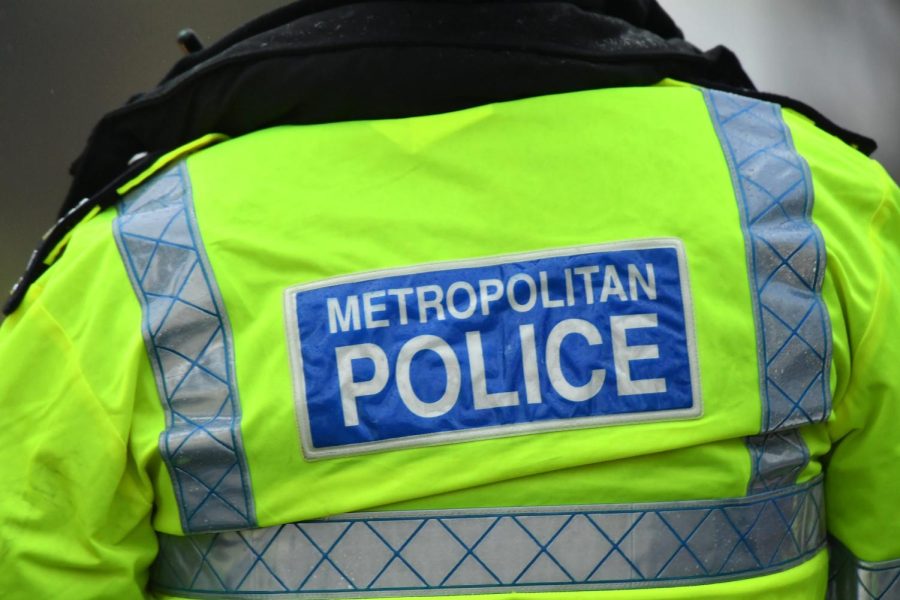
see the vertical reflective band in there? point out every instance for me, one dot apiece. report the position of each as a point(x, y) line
point(786, 267)
point(854, 579)
point(483, 551)
point(190, 347)
point(777, 459)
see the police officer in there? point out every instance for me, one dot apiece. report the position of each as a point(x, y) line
point(407, 299)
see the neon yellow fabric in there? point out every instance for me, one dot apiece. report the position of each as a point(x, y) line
point(858, 209)
point(283, 206)
point(487, 173)
point(58, 248)
point(170, 157)
point(76, 501)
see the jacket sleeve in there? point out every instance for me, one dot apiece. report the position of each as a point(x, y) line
point(74, 509)
point(863, 473)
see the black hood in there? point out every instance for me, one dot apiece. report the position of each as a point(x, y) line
point(318, 61)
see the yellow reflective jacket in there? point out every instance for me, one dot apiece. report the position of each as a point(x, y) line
point(625, 342)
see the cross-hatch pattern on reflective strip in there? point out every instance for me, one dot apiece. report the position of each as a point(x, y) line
point(494, 550)
point(189, 343)
point(786, 264)
point(854, 579)
point(878, 583)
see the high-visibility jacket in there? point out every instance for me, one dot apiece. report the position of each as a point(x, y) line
point(629, 342)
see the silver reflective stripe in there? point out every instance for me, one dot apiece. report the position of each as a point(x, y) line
point(786, 266)
point(190, 347)
point(777, 459)
point(426, 553)
point(854, 579)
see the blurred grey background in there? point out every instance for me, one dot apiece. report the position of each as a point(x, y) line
point(64, 63)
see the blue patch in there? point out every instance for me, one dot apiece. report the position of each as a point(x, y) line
point(561, 339)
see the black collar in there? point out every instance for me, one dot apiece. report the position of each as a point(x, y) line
point(317, 61)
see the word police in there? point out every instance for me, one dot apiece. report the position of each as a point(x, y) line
point(488, 347)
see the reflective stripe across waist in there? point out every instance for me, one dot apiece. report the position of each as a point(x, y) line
point(482, 551)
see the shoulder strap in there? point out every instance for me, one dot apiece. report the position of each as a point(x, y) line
point(54, 241)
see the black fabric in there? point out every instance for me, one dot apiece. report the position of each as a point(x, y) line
point(318, 61)
point(645, 14)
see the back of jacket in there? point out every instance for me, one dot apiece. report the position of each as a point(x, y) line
point(632, 341)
